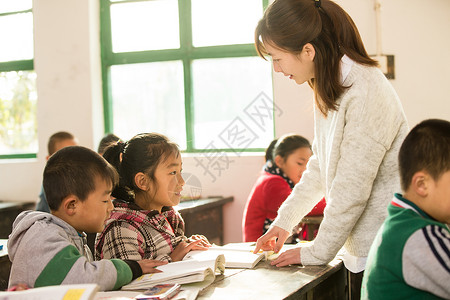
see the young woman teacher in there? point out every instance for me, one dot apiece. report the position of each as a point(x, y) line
point(359, 125)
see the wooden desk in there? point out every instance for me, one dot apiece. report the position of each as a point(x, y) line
point(5, 265)
point(313, 223)
point(8, 212)
point(204, 216)
point(269, 282)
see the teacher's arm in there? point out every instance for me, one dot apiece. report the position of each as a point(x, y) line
point(305, 195)
point(368, 132)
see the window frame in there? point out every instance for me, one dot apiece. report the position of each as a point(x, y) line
point(186, 53)
point(17, 65)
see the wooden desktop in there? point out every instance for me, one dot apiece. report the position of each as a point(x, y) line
point(327, 282)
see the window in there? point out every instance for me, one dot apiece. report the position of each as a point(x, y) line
point(18, 128)
point(187, 69)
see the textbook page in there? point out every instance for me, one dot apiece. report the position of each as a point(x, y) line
point(181, 272)
point(268, 255)
point(184, 294)
point(235, 257)
point(54, 292)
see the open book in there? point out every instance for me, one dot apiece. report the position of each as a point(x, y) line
point(182, 272)
point(54, 292)
point(235, 255)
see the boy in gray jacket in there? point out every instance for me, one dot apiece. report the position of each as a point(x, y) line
point(50, 249)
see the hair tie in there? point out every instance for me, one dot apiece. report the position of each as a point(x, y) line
point(122, 145)
point(317, 3)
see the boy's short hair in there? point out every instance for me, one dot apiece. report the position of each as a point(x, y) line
point(425, 148)
point(72, 171)
point(58, 137)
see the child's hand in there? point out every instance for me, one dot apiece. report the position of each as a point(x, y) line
point(19, 287)
point(183, 248)
point(148, 265)
point(203, 245)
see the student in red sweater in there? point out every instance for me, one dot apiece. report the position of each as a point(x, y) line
point(286, 159)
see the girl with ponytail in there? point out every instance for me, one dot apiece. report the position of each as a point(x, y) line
point(359, 127)
point(143, 223)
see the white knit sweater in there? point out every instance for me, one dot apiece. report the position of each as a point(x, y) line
point(354, 166)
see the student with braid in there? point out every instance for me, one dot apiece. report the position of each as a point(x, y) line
point(143, 224)
point(286, 160)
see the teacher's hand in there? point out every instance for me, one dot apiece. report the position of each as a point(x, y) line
point(272, 240)
point(288, 257)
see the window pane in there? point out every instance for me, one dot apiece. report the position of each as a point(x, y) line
point(218, 22)
point(18, 96)
point(14, 5)
point(17, 41)
point(142, 26)
point(149, 97)
point(230, 88)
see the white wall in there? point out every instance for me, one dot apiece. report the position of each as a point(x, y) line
point(67, 63)
point(416, 32)
point(69, 88)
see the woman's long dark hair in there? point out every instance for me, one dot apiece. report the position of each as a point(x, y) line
point(290, 24)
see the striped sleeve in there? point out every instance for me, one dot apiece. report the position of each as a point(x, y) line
point(124, 272)
point(68, 266)
point(426, 260)
point(58, 267)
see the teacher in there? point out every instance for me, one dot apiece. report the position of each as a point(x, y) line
point(359, 126)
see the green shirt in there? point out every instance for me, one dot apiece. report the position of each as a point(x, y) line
point(409, 258)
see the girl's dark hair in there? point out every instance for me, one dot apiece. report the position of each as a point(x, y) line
point(288, 144)
point(269, 150)
point(106, 141)
point(290, 24)
point(425, 148)
point(143, 153)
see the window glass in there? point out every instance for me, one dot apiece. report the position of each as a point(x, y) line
point(203, 85)
point(229, 93)
point(15, 5)
point(218, 22)
point(149, 97)
point(150, 25)
point(17, 40)
point(18, 130)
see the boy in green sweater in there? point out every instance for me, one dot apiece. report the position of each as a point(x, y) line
point(410, 256)
point(50, 249)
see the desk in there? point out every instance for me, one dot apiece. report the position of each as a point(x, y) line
point(269, 282)
point(5, 265)
point(204, 216)
point(8, 212)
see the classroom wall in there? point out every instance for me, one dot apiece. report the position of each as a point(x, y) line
point(67, 62)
